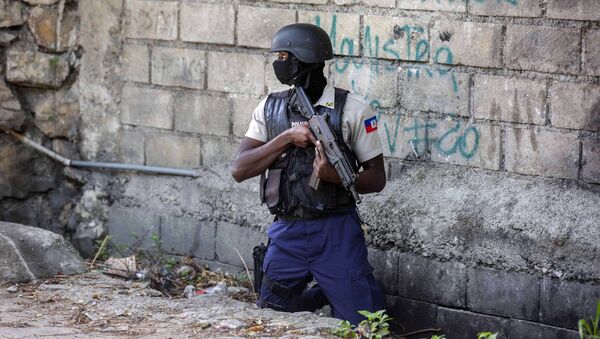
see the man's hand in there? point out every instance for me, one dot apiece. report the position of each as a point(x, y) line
point(322, 168)
point(300, 136)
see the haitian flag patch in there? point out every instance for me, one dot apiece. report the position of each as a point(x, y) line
point(371, 124)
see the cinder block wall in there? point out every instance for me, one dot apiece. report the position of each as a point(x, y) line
point(489, 116)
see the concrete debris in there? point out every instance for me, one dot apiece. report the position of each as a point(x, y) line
point(35, 69)
point(189, 291)
point(122, 267)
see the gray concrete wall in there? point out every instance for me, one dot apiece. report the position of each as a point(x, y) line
point(488, 117)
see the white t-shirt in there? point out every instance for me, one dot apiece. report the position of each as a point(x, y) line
point(359, 124)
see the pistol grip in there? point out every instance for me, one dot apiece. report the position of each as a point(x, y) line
point(314, 182)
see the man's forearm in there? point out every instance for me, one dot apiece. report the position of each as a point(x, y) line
point(252, 161)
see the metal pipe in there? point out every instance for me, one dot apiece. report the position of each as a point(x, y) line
point(94, 164)
point(140, 168)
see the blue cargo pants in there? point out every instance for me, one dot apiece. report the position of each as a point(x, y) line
point(331, 250)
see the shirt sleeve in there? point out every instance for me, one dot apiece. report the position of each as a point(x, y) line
point(258, 129)
point(363, 134)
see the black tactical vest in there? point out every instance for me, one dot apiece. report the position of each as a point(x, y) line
point(285, 189)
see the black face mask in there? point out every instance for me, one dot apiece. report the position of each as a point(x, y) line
point(284, 71)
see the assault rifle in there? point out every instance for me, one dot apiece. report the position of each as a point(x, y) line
point(319, 127)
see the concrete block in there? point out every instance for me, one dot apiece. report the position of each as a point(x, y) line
point(575, 10)
point(576, 300)
point(151, 19)
point(509, 99)
point(218, 151)
point(427, 88)
point(433, 5)
point(542, 152)
point(146, 107)
point(376, 81)
point(458, 324)
point(528, 8)
point(412, 315)
point(400, 134)
point(525, 329)
point(132, 229)
point(375, 3)
point(205, 114)
point(243, 106)
point(453, 43)
point(136, 63)
point(591, 52)
point(542, 48)
point(442, 283)
point(188, 237)
point(236, 72)
point(590, 171)
point(514, 295)
point(232, 237)
point(385, 265)
point(343, 29)
point(132, 146)
point(207, 22)
point(395, 38)
point(256, 26)
point(575, 105)
point(460, 142)
point(178, 67)
point(172, 151)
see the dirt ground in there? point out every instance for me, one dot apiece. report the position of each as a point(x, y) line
point(96, 305)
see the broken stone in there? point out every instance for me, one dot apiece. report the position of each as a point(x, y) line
point(43, 22)
point(36, 69)
point(11, 13)
point(41, 2)
point(6, 38)
point(57, 114)
point(11, 114)
point(28, 253)
point(13, 289)
point(189, 291)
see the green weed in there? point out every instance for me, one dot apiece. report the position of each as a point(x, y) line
point(376, 326)
point(487, 335)
point(590, 330)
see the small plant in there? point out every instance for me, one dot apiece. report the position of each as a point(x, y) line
point(345, 330)
point(591, 330)
point(376, 326)
point(487, 335)
point(435, 336)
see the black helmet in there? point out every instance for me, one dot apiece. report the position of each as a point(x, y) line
point(309, 43)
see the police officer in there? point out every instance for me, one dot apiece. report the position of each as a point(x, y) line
point(316, 233)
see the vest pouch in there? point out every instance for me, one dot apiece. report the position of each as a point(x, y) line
point(272, 187)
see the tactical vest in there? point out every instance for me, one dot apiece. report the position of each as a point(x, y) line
point(285, 187)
